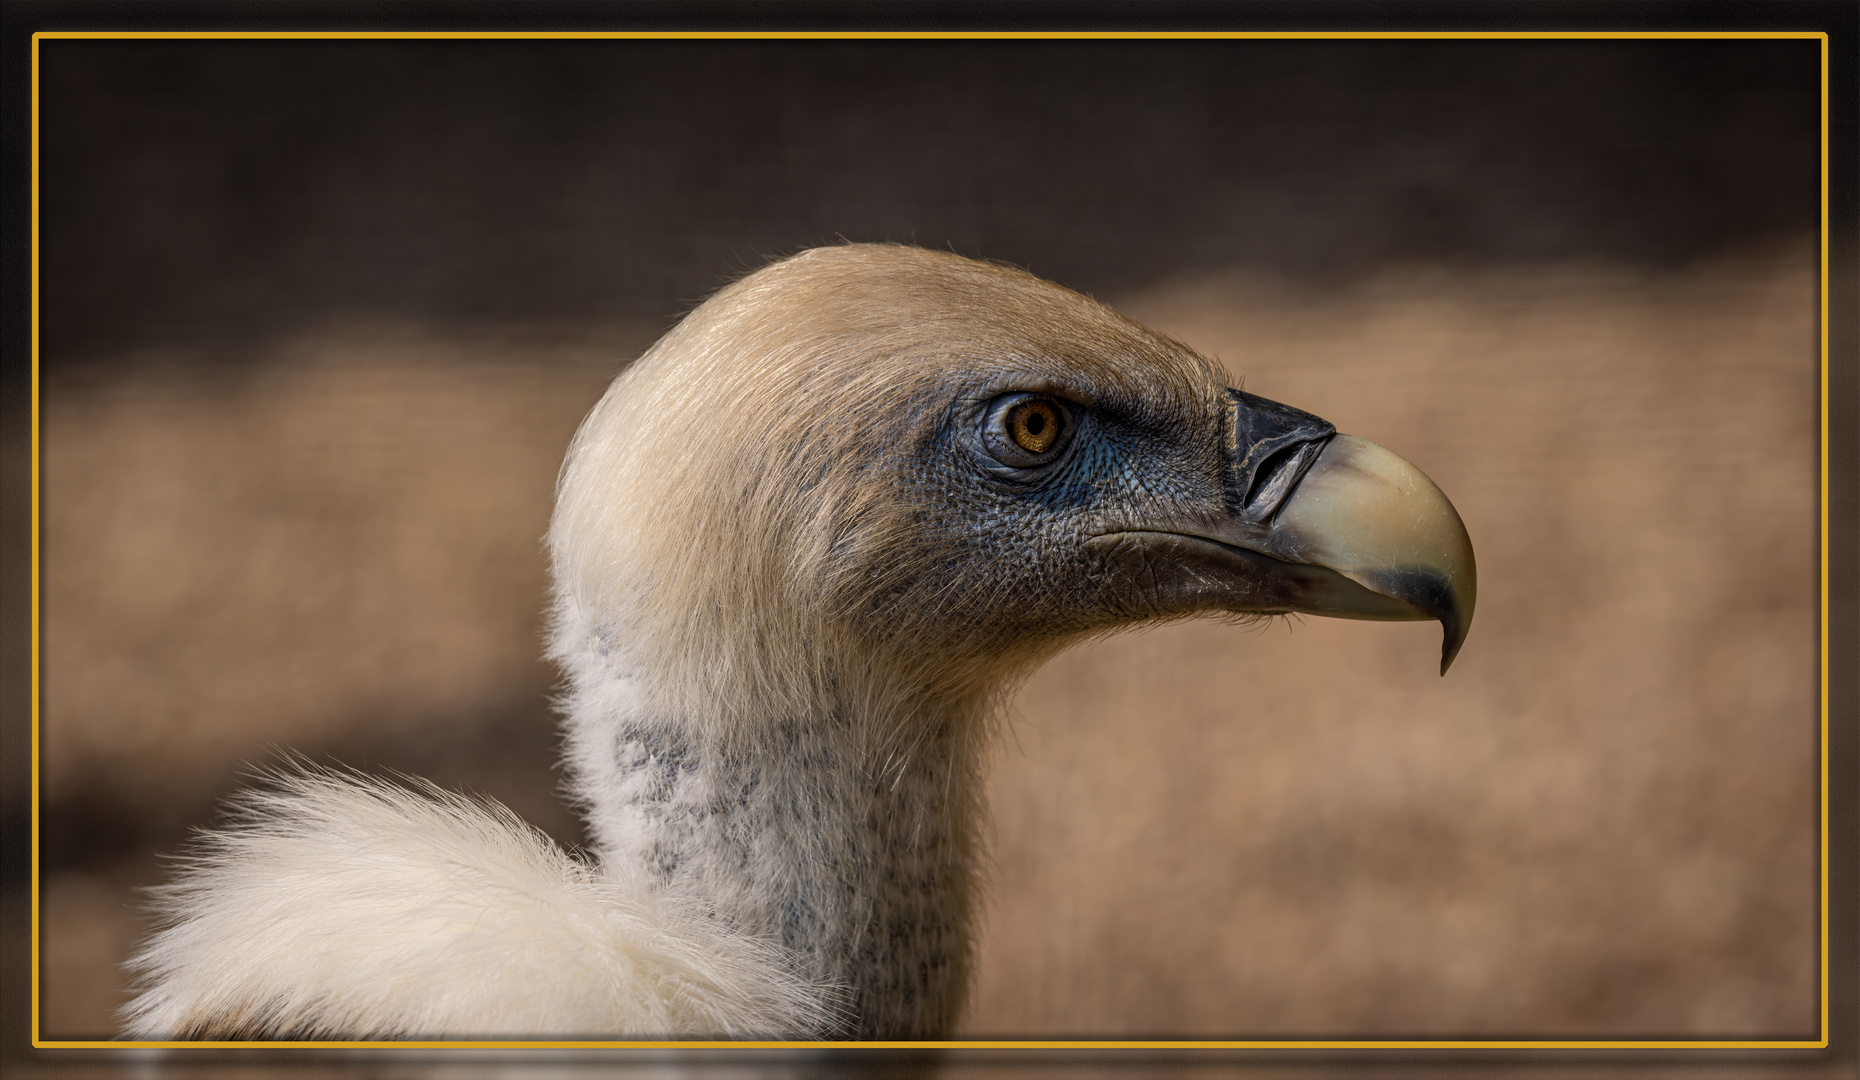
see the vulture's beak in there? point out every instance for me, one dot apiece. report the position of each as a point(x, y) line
point(1320, 523)
point(1305, 495)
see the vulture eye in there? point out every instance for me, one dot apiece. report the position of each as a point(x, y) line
point(1034, 425)
point(1025, 431)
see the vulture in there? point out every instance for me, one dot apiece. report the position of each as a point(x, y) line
point(803, 551)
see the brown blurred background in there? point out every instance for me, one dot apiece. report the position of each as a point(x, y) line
point(319, 318)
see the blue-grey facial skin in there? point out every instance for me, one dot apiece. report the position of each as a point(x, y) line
point(1010, 548)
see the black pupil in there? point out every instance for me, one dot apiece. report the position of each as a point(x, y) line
point(1036, 422)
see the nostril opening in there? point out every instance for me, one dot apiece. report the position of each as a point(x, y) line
point(1276, 461)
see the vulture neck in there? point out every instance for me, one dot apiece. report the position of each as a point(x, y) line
point(848, 837)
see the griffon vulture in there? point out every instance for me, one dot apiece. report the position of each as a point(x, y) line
point(803, 549)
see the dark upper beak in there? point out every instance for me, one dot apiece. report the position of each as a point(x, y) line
point(1305, 496)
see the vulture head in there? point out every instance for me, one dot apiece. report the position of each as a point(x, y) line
point(884, 479)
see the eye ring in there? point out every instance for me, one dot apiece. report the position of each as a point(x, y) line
point(1026, 431)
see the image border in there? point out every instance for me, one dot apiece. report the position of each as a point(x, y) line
point(1822, 1040)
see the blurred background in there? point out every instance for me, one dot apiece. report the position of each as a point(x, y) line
point(318, 319)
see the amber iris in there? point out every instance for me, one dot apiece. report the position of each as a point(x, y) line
point(1035, 425)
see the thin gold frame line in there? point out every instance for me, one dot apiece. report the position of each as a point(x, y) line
point(945, 35)
point(962, 1045)
point(35, 545)
point(990, 36)
point(1823, 543)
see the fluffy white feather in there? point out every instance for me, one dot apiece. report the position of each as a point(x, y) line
point(340, 906)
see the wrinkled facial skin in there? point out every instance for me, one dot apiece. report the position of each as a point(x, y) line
point(1039, 532)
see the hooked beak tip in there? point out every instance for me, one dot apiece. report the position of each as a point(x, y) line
point(1452, 639)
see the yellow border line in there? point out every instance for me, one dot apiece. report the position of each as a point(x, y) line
point(1825, 1033)
point(996, 1044)
point(971, 1045)
point(940, 35)
point(35, 540)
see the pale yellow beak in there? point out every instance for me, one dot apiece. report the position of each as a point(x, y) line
point(1371, 516)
